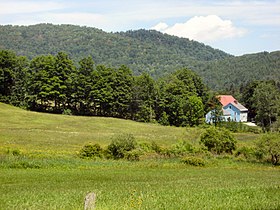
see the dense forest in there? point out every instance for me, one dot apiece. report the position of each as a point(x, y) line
point(141, 75)
point(142, 51)
point(53, 83)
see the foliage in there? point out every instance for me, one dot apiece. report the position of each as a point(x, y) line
point(266, 99)
point(194, 110)
point(181, 98)
point(142, 51)
point(182, 148)
point(218, 140)
point(193, 161)
point(120, 145)
point(133, 155)
point(91, 151)
point(215, 107)
point(247, 152)
point(269, 144)
point(54, 84)
point(67, 112)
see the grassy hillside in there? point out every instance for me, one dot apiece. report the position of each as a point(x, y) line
point(48, 175)
point(32, 131)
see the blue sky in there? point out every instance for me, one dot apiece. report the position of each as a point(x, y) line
point(237, 27)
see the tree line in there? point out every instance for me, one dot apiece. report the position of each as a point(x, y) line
point(55, 84)
point(143, 51)
point(52, 83)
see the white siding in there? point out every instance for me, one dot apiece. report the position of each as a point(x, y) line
point(243, 116)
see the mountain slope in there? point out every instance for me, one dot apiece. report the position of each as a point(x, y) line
point(232, 72)
point(141, 50)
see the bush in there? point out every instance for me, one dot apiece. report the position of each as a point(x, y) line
point(269, 145)
point(155, 147)
point(182, 148)
point(246, 152)
point(218, 140)
point(120, 145)
point(91, 151)
point(133, 155)
point(67, 112)
point(193, 161)
point(14, 152)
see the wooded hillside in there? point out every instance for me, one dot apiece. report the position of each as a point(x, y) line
point(142, 51)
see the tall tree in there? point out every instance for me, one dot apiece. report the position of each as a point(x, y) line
point(176, 90)
point(194, 110)
point(84, 85)
point(40, 84)
point(267, 103)
point(8, 64)
point(62, 80)
point(122, 92)
point(144, 98)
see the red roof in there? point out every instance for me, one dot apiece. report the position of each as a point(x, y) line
point(226, 99)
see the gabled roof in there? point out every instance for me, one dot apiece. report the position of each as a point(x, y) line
point(229, 99)
point(239, 106)
point(226, 99)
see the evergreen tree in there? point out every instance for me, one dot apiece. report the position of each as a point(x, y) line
point(144, 98)
point(8, 64)
point(61, 78)
point(39, 84)
point(84, 84)
point(267, 104)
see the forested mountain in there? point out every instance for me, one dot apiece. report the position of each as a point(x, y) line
point(231, 73)
point(142, 51)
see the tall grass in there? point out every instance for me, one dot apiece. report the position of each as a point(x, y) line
point(143, 185)
point(39, 168)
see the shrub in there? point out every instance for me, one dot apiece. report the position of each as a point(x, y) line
point(155, 147)
point(67, 112)
point(120, 145)
point(133, 155)
point(181, 148)
point(14, 152)
point(269, 144)
point(218, 140)
point(193, 161)
point(91, 151)
point(246, 152)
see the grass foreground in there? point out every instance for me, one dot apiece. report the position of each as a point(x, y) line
point(46, 173)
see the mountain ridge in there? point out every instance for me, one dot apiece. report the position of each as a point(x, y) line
point(142, 51)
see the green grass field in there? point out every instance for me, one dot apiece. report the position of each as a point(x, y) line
point(47, 174)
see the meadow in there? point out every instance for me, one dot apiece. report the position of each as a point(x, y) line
point(40, 169)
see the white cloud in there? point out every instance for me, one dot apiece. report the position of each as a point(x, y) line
point(160, 26)
point(203, 28)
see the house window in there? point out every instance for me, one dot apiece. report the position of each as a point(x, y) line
point(230, 106)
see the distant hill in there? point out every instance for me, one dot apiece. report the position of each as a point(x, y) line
point(142, 51)
point(233, 72)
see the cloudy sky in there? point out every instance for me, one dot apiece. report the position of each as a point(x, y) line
point(237, 27)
